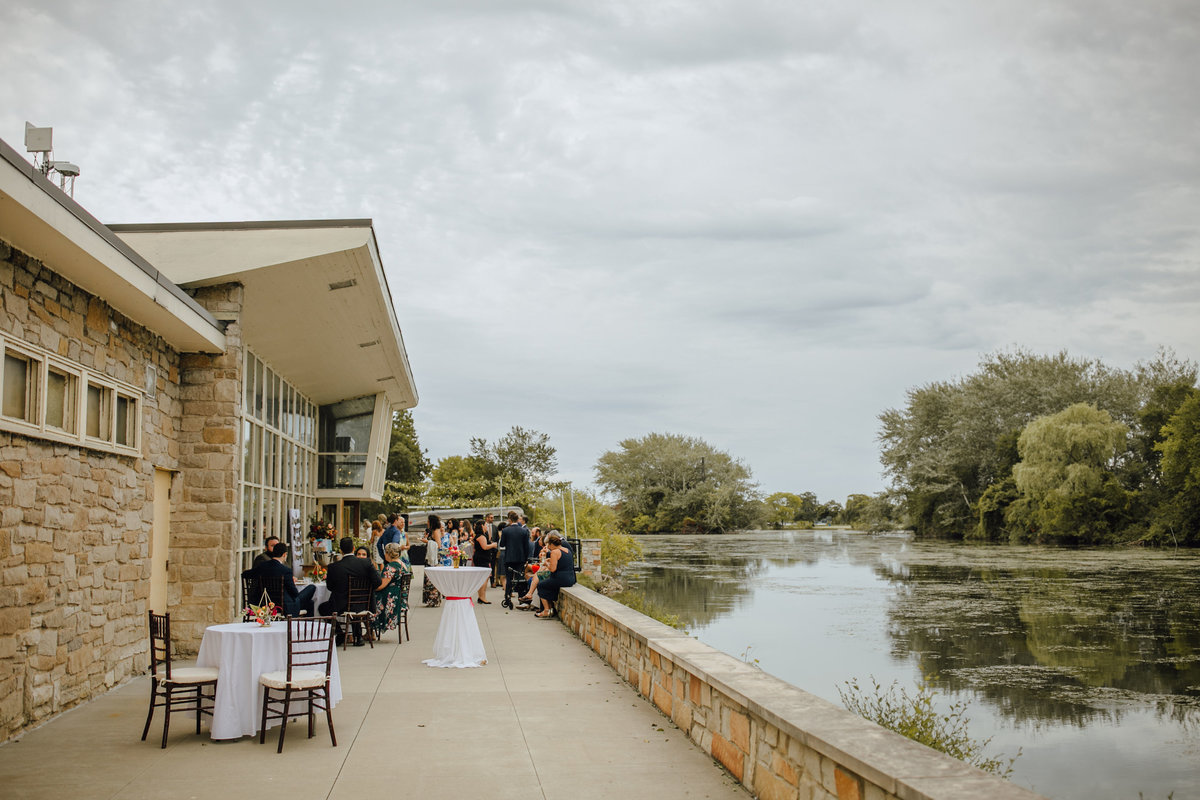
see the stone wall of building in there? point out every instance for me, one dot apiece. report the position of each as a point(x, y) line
point(76, 523)
point(202, 575)
point(780, 742)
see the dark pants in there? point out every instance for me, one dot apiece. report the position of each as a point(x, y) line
point(303, 601)
point(328, 609)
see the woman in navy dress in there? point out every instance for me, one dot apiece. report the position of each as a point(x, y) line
point(561, 569)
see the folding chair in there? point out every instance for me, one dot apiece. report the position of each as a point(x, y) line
point(175, 688)
point(310, 660)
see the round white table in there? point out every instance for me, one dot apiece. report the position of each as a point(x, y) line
point(458, 643)
point(243, 651)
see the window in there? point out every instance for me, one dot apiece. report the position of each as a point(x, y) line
point(126, 429)
point(61, 390)
point(21, 375)
point(42, 394)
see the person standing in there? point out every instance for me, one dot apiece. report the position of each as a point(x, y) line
point(484, 555)
point(434, 537)
point(394, 532)
point(515, 541)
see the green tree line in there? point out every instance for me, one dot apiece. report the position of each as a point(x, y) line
point(1036, 448)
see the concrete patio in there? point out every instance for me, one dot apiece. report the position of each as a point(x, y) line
point(546, 718)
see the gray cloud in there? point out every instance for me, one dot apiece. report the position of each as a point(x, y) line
point(756, 222)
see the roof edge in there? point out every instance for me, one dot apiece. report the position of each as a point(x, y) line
point(246, 225)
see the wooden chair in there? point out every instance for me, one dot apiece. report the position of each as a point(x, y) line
point(310, 661)
point(175, 688)
point(360, 604)
point(251, 592)
point(273, 586)
point(402, 613)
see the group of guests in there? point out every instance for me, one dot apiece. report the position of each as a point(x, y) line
point(389, 592)
point(545, 559)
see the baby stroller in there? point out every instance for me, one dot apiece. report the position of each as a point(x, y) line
point(517, 582)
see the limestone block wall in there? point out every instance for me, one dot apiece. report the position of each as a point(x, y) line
point(589, 559)
point(780, 742)
point(202, 583)
point(75, 523)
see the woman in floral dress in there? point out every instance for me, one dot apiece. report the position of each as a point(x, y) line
point(391, 597)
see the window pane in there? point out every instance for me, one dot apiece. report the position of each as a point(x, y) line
point(248, 385)
point(17, 377)
point(60, 400)
point(124, 406)
point(97, 416)
point(258, 389)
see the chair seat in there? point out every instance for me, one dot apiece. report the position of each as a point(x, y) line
point(301, 679)
point(188, 674)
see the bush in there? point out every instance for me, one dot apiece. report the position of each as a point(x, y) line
point(915, 717)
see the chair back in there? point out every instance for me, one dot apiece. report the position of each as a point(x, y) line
point(310, 644)
point(405, 582)
point(360, 595)
point(160, 644)
point(273, 586)
point(251, 592)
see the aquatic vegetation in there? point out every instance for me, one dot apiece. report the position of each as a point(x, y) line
point(916, 717)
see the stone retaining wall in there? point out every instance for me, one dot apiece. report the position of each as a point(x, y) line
point(780, 742)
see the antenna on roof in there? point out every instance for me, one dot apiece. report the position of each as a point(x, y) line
point(39, 141)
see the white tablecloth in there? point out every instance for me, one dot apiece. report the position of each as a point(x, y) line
point(243, 651)
point(320, 596)
point(458, 643)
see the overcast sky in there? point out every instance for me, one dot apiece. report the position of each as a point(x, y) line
point(754, 222)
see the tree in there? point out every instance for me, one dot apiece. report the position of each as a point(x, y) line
point(955, 440)
point(519, 455)
point(593, 520)
point(785, 507)
point(1068, 491)
point(669, 482)
point(1178, 517)
point(407, 462)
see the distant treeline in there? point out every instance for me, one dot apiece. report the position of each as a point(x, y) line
point(1034, 448)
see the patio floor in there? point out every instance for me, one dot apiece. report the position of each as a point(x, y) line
point(546, 718)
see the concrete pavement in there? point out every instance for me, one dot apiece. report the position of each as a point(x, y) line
point(546, 718)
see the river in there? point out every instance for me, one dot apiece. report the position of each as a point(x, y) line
point(1088, 661)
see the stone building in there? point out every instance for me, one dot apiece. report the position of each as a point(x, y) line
point(171, 394)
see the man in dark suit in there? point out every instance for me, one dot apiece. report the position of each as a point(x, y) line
point(268, 545)
point(337, 580)
point(293, 601)
point(515, 541)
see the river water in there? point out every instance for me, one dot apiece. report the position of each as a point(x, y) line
point(1088, 661)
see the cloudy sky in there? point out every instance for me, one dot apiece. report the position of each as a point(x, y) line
point(754, 222)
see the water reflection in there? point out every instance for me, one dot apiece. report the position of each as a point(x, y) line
point(1051, 640)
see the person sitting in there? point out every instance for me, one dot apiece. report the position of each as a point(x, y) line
point(338, 582)
point(389, 601)
point(295, 602)
point(268, 545)
point(561, 569)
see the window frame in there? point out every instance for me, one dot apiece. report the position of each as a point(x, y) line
point(79, 380)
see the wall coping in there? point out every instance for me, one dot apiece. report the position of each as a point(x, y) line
point(892, 762)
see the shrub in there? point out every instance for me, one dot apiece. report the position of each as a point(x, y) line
point(915, 717)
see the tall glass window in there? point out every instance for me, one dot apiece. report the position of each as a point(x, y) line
point(278, 454)
point(345, 441)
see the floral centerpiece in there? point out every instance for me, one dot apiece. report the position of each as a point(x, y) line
point(454, 553)
point(263, 614)
point(320, 533)
point(319, 572)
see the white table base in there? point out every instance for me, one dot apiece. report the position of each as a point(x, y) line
point(458, 643)
point(243, 651)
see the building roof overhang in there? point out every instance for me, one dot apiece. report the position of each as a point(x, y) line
point(317, 307)
point(41, 220)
